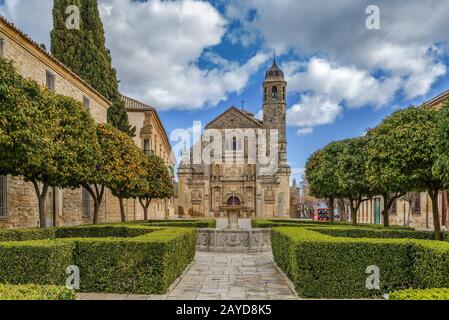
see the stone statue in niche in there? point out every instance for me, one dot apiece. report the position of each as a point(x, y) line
point(196, 195)
point(269, 194)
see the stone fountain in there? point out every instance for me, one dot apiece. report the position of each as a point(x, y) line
point(231, 236)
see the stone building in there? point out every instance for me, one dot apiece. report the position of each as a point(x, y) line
point(152, 138)
point(236, 175)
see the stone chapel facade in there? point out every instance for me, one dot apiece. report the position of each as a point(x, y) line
point(205, 190)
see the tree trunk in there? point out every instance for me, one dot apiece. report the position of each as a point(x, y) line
point(353, 212)
point(122, 209)
point(97, 196)
point(409, 213)
point(331, 210)
point(436, 214)
point(145, 205)
point(385, 211)
point(342, 209)
point(41, 198)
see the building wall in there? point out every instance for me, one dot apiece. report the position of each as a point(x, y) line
point(421, 218)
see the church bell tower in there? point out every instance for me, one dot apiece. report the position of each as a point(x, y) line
point(275, 108)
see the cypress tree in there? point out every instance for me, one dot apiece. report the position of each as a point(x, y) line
point(84, 52)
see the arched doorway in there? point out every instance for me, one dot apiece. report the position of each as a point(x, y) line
point(233, 201)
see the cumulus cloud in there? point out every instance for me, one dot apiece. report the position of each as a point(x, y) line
point(349, 63)
point(156, 46)
point(33, 16)
point(313, 110)
point(356, 87)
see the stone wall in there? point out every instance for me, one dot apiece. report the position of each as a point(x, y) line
point(421, 219)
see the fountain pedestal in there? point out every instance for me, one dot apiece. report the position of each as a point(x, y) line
point(232, 238)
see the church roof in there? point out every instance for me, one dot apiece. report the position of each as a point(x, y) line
point(239, 119)
point(134, 105)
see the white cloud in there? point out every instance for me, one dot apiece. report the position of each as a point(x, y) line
point(304, 131)
point(312, 111)
point(350, 63)
point(32, 16)
point(155, 47)
point(356, 87)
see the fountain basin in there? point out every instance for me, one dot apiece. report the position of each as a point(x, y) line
point(234, 240)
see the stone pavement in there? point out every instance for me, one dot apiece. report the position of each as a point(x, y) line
point(222, 276)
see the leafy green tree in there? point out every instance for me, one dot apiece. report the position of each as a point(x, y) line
point(156, 184)
point(441, 166)
point(101, 175)
point(46, 138)
point(351, 173)
point(321, 173)
point(85, 52)
point(384, 171)
point(124, 166)
point(406, 153)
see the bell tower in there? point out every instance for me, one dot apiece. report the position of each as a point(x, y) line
point(275, 107)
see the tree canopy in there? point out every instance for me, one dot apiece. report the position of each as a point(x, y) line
point(156, 183)
point(321, 173)
point(403, 153)
point(46, 138)
point(124, 166)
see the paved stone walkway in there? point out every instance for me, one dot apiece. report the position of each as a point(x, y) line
point(222, 276)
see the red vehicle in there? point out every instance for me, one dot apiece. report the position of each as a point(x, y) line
point(321, 214)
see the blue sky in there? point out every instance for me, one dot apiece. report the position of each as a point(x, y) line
point(192, 60)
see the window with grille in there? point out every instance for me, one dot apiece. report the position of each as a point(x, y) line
point(86, 203)
point(147, 147)
point(86, 103)
point(3, 197)
point(2, 47)
point(50, 80)
point(417, 204)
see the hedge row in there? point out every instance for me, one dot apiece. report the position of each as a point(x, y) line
point(111, 258)
point(35, 292)
point(420, 294)
point(363, 232)
point(206, 223)
point(262, 223)
point(322, 266)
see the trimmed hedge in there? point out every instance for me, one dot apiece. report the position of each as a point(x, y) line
point(102, 231)
point(111, 258)
point(35, 292)
point(420, 294)
point(145, 265)
point(362, 232)
point(209, 223)
point(38, 262)
point(322, 266)
point(262, 223)
point(26, 234)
